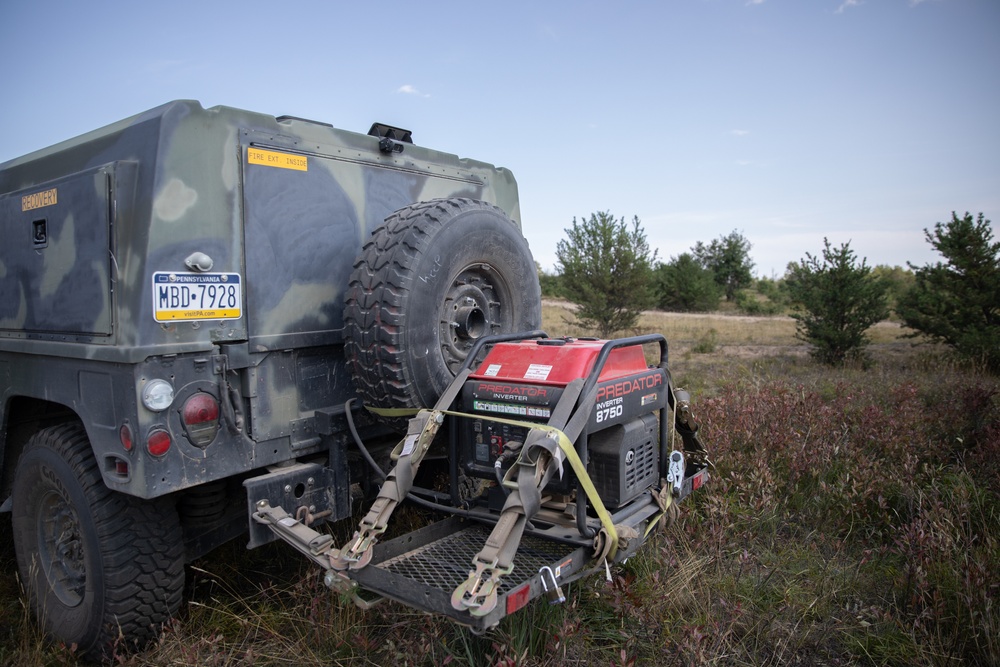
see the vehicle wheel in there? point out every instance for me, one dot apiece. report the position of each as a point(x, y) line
point(97, 565)
point(434, 278)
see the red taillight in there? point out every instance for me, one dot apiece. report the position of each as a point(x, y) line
point(158, 442)
point(200, 416)
point(125, 435)
point(200, 408)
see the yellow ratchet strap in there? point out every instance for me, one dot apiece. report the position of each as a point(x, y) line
point(392, 412)
point(574, 461)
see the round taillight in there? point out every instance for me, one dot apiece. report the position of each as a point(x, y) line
point(125, 435)
point(200, 416)
point(158, 442)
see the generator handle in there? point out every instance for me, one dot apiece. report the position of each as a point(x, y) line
point(602, 356)
point(592, 378)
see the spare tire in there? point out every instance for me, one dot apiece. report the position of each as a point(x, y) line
point(434, 278)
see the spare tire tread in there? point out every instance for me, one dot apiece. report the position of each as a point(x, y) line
point(382, 287)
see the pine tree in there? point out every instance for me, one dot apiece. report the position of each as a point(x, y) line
point(957, 302)
point(683, 284)
point(606, 269)
point(837, 301)
point(728, 257)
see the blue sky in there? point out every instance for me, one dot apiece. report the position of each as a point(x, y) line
point(787, 120)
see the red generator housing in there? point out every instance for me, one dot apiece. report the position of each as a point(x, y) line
point(521, 382)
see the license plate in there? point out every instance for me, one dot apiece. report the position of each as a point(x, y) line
point(185, 296)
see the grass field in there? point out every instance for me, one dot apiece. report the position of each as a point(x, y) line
point(853, 518)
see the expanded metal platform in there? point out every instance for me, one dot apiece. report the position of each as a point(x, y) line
point(426, 566)
point(446, 562)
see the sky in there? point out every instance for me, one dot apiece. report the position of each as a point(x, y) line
point(789, 121)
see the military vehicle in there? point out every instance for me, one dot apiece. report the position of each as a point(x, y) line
point(217, 323)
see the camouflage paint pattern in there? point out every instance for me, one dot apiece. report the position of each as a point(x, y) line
point(278, 206)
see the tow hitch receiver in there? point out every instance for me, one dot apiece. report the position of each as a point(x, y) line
point(562, 461)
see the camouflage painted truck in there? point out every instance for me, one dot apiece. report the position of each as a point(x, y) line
point(216, 323)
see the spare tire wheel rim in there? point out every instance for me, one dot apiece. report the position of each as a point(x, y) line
point(474, 306)
point(60, 548)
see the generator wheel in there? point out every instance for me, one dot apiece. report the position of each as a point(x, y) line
point(102, 570)
point(431, 280)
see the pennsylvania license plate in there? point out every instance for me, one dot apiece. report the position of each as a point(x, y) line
point(182, 296)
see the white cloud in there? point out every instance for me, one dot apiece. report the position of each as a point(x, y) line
point(739, 133)
point(755, 2)
point(848, 3)
point(407, 89)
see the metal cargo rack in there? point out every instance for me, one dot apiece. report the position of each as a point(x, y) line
point(464, 567)
point(424, 567)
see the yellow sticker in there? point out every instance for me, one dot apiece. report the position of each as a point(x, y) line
point(40, 199)
point(279, 160)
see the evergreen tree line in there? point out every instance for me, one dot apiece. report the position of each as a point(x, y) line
point(607, 268)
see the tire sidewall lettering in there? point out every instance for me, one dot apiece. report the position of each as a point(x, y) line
point(433, 271)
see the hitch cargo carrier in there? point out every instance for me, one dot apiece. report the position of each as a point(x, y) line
point(423, 569)
point(562, 459)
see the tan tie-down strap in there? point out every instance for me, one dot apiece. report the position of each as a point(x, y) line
point(543, 446)
point(408, 454)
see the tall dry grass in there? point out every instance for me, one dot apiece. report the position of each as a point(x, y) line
point(853, 518)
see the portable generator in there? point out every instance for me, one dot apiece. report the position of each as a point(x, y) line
point(522, 381)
